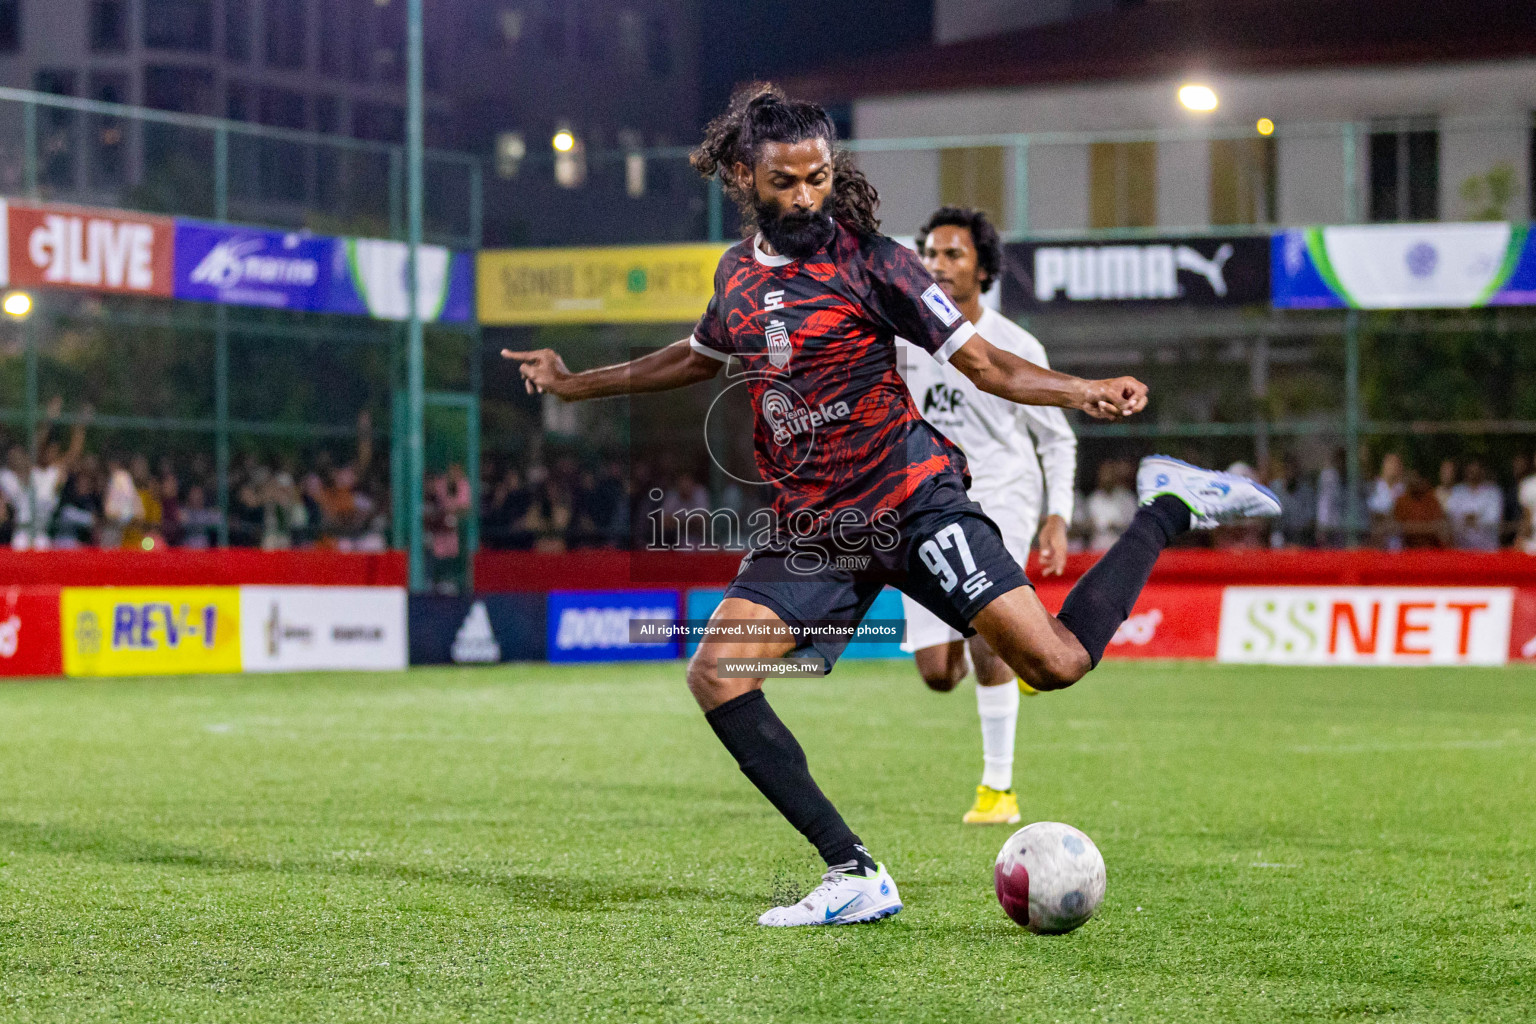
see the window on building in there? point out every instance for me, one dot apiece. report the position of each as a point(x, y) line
point(378, 122)
point(1122, 184)
point(179, 25)
point(658, 47)
point(287, 34)
point(973, 178)
point(590, 37)
point(552, 33)
point(181, 89)
point(1242, 181)
point(327, 115)
point(507, 27)
point(1530, 164)
point(331, 57)
point(109, 25)
point(1405, 172)
point(237, 104)
point(55, 82)
point(282, 166)
point(55, 131)
point(631, 35)
point(282, 108)
point(237, 30)
point(107, 132)
point(10, 26)
point(359, 45)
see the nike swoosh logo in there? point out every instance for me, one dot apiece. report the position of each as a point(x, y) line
point(833, 913)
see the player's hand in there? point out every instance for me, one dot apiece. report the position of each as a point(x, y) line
point(1053, 546)
point(543, 370)
point(1114, 399)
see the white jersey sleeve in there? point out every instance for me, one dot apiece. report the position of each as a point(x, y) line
point(1005, 445)
point(1055, 442)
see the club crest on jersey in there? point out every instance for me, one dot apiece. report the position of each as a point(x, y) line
point(777, 337)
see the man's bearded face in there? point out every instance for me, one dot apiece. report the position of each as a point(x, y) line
point(793, 233)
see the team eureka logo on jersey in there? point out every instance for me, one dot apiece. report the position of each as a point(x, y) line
point(777, 337)
point(789, 417)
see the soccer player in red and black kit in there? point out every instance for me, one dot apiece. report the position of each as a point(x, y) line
point(810, 306)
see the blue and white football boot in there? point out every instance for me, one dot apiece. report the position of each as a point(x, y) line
point(1213, 497)
point(841, 899)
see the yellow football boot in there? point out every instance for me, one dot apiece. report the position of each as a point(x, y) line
point(993, 807)
point(1027, 690)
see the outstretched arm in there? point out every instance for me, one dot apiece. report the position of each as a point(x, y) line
point(1006, 375)
point(675, 366)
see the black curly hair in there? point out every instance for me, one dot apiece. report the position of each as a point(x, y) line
point(989, 247)
point(760, 113)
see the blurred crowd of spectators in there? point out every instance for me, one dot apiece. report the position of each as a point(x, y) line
point(65, 496)
point(1465, 507)
point(68, 497)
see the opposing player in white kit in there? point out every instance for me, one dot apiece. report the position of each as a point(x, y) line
point(1023, 461)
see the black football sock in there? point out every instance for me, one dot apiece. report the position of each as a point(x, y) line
point(770, 756)
point(1104, 597)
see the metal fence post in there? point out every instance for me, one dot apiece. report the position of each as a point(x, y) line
point(1021, 186)
point(716, 211)
point(221, 173)
point(29, 148)
point(396, 195)
point(1351, 175)
point(221, 417)
point(29, 371)
point(1352, 481)
point(476, 209)
point(472, 457)
point(415, 340)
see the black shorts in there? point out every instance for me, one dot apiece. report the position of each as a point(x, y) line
point(948, 556)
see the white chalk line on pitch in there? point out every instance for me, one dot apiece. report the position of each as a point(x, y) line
point(1387, 748)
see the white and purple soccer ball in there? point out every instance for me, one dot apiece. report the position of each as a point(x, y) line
point(1050, 877)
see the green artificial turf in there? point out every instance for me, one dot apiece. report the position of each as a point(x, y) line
point(572, 844)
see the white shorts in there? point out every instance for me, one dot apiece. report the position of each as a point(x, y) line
point(1018, 519)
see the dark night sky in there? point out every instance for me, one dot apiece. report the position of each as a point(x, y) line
point(746, 39)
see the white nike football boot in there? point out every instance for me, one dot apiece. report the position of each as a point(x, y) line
point(1213, 497)
point(840, 899)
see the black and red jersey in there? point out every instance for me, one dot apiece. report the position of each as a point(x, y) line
point(835, 427)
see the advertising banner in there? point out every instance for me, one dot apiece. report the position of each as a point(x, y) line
point(594, 625)
point(1182, 621)
point(703, 601)
point(1522, 626)
point(29, 632)
point(134, 631)
point(76, 247)
point(1404, 266)
point(1366, 625)
point(243, 266)
point(618, 284)
point(481, 630)
point(368, 279)
point(1190, 270)
point(295, 629)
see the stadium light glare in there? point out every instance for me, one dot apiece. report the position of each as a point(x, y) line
point(18, 305)
point(1265, 126)
point(1199, 98)
point(563, 141)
